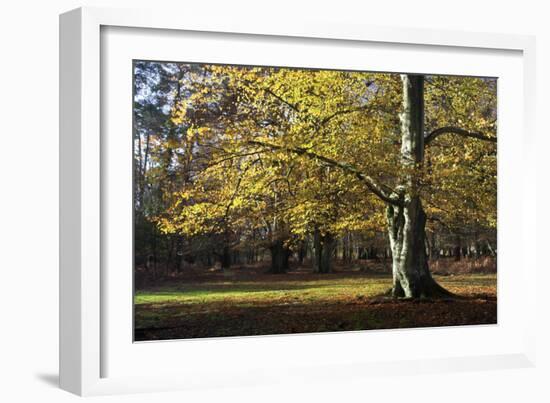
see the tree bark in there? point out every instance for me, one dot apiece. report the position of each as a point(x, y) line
point(434, 250)
point(317, 250)
point(179, 253)
point(407, 219)
point(327, 253)
point(411, 273)
point(279, 257)
point(458, 248)
point(301, 253)
point(225, 257)
point(323, 251)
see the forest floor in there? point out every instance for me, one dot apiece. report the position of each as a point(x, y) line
point(246, 301)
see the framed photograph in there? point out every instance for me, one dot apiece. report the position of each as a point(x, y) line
point(238, 196)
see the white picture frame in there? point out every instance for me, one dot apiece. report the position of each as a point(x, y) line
point(83, 294)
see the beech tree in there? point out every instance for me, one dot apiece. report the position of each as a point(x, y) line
point(290, 154)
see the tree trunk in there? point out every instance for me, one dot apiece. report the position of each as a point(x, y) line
point(407, 219)
point(179, 254)
point(348, 248)
point(411, 273)
point(279, 257)
point(458, 248)
point(323, 251)
point(491, 249)
point(434, 250)
point(327, 253)
point(373, 252)
point(225, 258)
point(317, 250)
point(301, 253)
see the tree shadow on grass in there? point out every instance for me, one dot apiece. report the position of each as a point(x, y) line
point(290, 318)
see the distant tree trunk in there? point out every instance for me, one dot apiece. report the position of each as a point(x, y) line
point(327, 253)
point(225, 257)
point(145, 162)
point(491, 250)
point(170, 254)
point(458, 248)
point(179, 253)
point(323, 251)
point(301, 253)
point(154, 255)
point(373, 252)
point(317, 250)
point(345, 248)
point(279, 257)
point(434, 251)
point(407, 219)
point(286, 258)
point(348, 248)
point(142, 168)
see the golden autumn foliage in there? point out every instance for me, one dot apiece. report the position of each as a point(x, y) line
point(263, 143)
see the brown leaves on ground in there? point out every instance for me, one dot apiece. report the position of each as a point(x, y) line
point(300, 302)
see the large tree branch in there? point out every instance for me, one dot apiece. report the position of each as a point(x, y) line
point(282, 100)
point(344, 112)
point(458, 131)
point(346, 168)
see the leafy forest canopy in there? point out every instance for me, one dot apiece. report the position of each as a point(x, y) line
point(239, 165)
